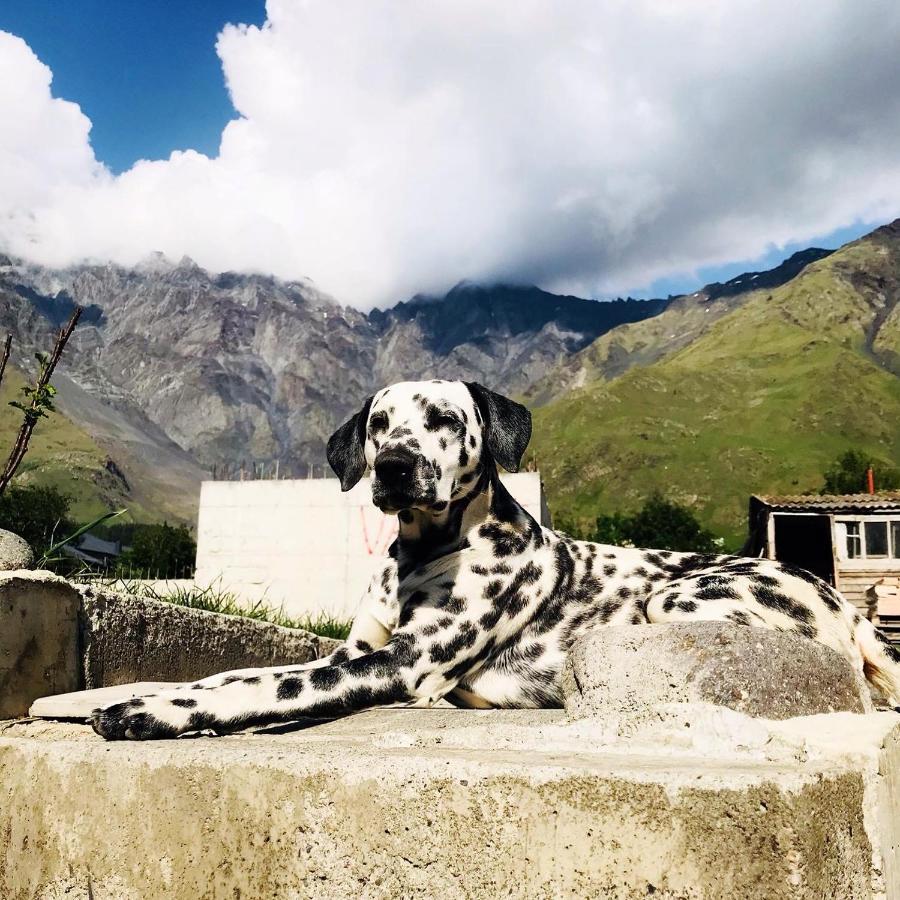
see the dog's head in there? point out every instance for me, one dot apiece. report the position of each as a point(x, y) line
point(426, 442)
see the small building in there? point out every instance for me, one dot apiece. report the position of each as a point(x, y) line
point(94, 551)
point(852, 541)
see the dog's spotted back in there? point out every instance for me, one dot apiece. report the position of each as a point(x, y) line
point(480, 604)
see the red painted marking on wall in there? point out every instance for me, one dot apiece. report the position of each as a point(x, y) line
point(387, 531)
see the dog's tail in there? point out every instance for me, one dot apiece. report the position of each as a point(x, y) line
point(881, 660)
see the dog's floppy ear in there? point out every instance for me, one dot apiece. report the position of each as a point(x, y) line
point(346, 448)
point(507, 425)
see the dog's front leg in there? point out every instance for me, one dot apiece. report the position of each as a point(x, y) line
point(377, 678)
point(421, 661)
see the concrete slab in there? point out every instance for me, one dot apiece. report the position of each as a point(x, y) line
point(79, 704)
point(127, 639)
point(452, 804)
point(39, 650)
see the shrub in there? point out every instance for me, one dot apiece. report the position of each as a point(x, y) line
point(660, 523)
point(36, 513)
point(159, 551)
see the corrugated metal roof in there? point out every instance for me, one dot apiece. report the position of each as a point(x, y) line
point(887, 500)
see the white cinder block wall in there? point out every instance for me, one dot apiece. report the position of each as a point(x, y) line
point(303, 545)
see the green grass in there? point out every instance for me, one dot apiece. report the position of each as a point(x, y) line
point(214, 599)
point(760, 403)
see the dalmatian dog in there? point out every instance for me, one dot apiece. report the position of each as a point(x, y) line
point(477, 602)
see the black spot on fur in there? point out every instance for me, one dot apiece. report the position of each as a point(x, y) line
point(776, 600)
point(325, 678)
point(289, 688)
point(464, 638)
point(185, 702)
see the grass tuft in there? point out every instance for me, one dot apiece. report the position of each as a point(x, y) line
point(214, 598)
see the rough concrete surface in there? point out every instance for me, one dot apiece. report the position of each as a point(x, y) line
point(39, 651)
point(15, 552)
point(630, 672)
point(129, 639)
point(453, 804)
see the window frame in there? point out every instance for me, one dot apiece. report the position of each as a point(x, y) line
point(864, 561)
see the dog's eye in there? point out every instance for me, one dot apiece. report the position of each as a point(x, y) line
point(378, 422)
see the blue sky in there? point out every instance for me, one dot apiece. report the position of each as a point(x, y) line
point(144, 71)
point(389, 148)
point(662, 287)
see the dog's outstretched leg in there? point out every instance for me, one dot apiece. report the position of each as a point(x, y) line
point(420, 662)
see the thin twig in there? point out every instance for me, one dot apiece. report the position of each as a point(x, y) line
point(20, 447)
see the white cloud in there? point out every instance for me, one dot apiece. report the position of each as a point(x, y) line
point(386, 147)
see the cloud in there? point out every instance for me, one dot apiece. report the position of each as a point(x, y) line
point(383, 148)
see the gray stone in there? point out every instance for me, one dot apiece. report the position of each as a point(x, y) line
point(453, 804)
point(15, 552)
point(128, 639)
point(38, 639)
point(635, 671)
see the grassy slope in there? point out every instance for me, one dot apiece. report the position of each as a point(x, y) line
point(62, 455)
point(761, 403)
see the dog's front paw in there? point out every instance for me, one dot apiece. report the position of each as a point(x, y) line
point(135, 720)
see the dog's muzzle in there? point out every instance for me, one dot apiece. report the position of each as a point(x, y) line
point(403, 479)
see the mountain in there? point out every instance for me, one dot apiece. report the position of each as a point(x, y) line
point(687, 317)
point(728, 393)
point(174, 370)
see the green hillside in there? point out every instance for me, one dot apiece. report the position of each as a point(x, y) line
point(762, 400)
point(64, 456)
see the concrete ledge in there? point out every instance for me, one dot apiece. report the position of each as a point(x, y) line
point(128, 639)
point(56, 638)
point(456, 804)
point(39, 648)
point(642, 671)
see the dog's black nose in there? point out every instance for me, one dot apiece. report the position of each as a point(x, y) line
point(395, 466)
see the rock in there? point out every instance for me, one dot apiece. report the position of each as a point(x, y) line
point(645, 671)
point(15, 553)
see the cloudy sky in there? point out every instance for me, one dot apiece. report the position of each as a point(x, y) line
point(386, 147)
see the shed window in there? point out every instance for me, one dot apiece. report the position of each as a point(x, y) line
point(854, 540)
point(876, 539)
point(868, 538)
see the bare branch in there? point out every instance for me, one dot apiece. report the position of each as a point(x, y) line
point(40, 399)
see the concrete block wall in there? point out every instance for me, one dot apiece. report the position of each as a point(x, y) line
point(303, 545)
point(56, 637)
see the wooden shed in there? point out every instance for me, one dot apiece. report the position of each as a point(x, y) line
point(852, 541)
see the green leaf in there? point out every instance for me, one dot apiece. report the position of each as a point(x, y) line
point(48, 555)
